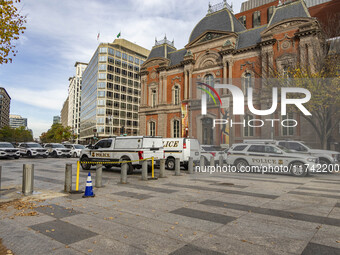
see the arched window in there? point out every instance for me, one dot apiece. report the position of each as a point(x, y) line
point(256, 19)
point(270, 12)
point(209, 79)
point(176, 129)
point(176, 98)
point(152, 128)
point(153, 97)
point(248, 83)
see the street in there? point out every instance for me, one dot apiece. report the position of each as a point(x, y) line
point(187, 214)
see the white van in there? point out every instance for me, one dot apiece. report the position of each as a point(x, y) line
point(182, 148)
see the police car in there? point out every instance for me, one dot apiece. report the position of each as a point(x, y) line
point(7, 150)
point(123, 148)
point(56, 150)
point(32, 150)
point(270, 157)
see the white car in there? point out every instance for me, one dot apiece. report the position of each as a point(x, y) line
point(32, 150)
point(326, 157)
point(279, 158)
point(7, 150)
point(123, 148)
point(75, 149)
point(214, 151)
point(56, 150)
point(181, 148)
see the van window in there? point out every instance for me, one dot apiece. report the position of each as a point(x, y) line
point(240, 147)
point(257, 148)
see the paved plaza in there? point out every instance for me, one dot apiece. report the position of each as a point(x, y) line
point(225, 213)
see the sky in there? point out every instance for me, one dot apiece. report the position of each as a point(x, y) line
point(61, 32)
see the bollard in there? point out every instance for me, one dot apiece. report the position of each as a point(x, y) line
point(145, 170)
point(68, 178)
point(99, 174)
point(123, 173)
point(221, 161)
point(191, 165)
point(212, 161)
point(202, 163)
point(0, 179)
point(177, 167)
point(162, 168)
point(27, 179)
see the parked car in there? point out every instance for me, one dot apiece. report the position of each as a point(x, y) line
point(325, 156)
point(75, 149)
point(7, 150)
point(243, 155)
point(56, 150)
point(32, 150)
point(123, 148)
point(214, 151)
point(182, 148)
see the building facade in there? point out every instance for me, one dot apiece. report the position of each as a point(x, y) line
point(5, 102)
point(64, 117)
point(74, 104)
point(56, 119)
point(110, 92)
point(221, 49)
point(16, 121)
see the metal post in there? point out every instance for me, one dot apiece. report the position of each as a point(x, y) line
point(99, 173)
point(202, 159)
point(191, 165)
point(123, 173)
point(145, 170)
point(220, 161)
point(177, 167)
point(212, 161)
point(27, 179)
point(68, 178)
point(162, 168)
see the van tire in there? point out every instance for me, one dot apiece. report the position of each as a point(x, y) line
point(170, 163)
point(302, 166)
point(241, 162)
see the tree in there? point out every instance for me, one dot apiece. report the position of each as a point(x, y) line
point(20, 134)
point(11, 26)
point(56, 134)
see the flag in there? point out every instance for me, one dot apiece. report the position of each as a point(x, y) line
point(118, 35)
point(98, 36)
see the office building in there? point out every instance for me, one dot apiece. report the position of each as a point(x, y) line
point(5, 101)
point(16, 121)
point(64, 113)
point(56, 119)
point(111, 90)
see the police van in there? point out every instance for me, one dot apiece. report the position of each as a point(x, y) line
point(272, 157)
point(123, 148)
point(181, 148)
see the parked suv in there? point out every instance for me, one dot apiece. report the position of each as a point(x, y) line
point(325, 156)
point(56, 150)
point(123, 148)
point(181, 148)
point(75, 149)
point(7, 150)
point(214, 151)
point(32, 150)
point(243, 155)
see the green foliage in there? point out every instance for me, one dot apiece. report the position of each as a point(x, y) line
point(56, 134)
point(11, 26)
point(20, 134)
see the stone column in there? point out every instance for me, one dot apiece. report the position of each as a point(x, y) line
point(185, 84)
point(165, 89)
point(190, 84)
point(160, 99)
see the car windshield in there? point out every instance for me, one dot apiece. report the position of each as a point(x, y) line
point(58, 146)
point(34, 145)
point(284, 149)
point(78, 146)
point(6, 145)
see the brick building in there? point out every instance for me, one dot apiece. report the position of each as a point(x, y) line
point(221, 49)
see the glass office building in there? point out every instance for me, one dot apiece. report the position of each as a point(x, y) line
point(110, 93)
